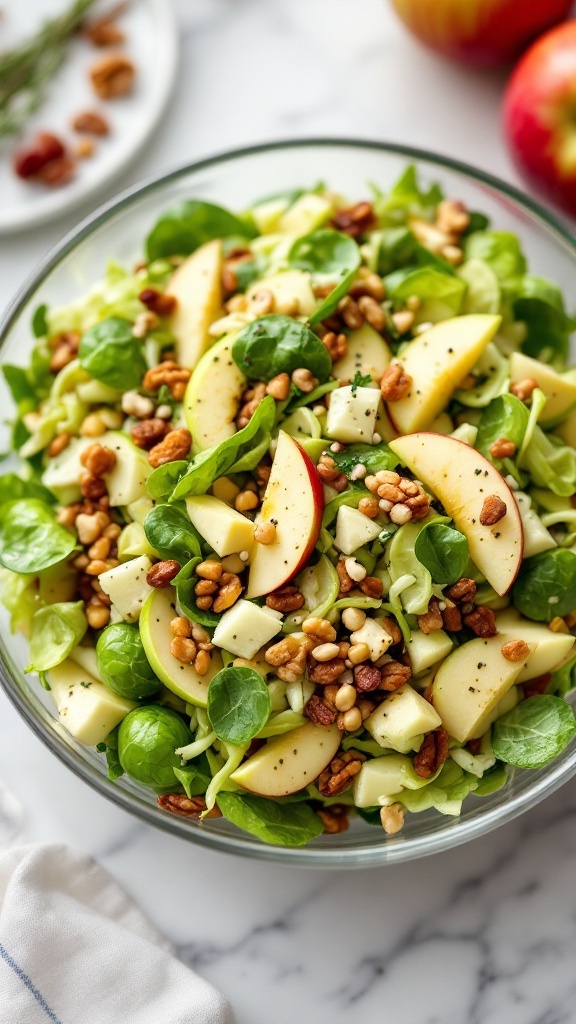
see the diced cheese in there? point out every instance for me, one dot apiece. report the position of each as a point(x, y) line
point(425, 649)
point(353, 529)
point(226, 530)
point(87, 708)
point(126, 586)
point(401, 718)
point(352, 414)
point(245, 628)
point(372, 634)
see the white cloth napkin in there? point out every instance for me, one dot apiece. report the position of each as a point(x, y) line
point(75, 950)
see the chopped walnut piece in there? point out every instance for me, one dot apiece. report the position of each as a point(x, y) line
point(334, 819)
point(452, 618)
point(90, 122)
point(502, 448)
point(158, 302)
point(249, 402)
point(392, 818)
point(515, 650)
point(335, 344)
point(186, 807)
point(395, 383)
point(482, 621)
point(432, 619)
point(355, 220)
point(162, 573)
point(394, 675)
point(392, 628)
point(346, 581)
point(175, 445)
point(294, 669)
point(282, 652)
point(318, 712)
point(523, 388)
point(228, 593)
point(493, 510)
point(463, 590)
point(149, 433)
point(340, 772)
point(112, 76)
point(286, 599)
point(98, 459)
point(367, 678)
point(371, 586)
point(169, 373)
point(324, 672)
point(432, 753)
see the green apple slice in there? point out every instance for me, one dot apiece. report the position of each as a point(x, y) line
point(437, 361)
point(470, 683)
point(287, 287)
point(126, 482)
point(560, 389)
point(155, 618)
point(552, 648)
point(196, 286)
point(213, 395)
point(289, 762)
point(462, 479)
point(367, 353)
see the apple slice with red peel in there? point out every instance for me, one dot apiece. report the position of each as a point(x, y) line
point(294, 502)
point(462, 479)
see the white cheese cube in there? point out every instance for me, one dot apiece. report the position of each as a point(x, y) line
point(226, 530)
point(352, 414)
point(245, 628)
point(402, 717)
point(380, 777)
point(87, 708)
point(425, 649)
point(377, 638)
point(126, 586)
point(353, 530)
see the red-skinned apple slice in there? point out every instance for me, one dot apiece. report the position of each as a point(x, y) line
point(294, 502)
point(462, 479)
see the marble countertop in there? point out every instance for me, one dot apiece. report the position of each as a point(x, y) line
point(483, 934)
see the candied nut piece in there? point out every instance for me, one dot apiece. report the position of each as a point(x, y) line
point(175, 445)
point(463, 590)
point(340, 772)
point(112, 76)
point(452, 216)
point(229, 592)
point(394, 675)
point(502, 448)
point(169, 373)
point(162, 573)
point(282, 652)
point(452, 617)
point(432, 753)
point(335, 344)
point(482, 622)
point(523, 388)
point(324, 672)
point(493, 510)
point(209, 570)
point(60, 442)
point(392, 818)
point(149, 433)
point(395, 383)
point(349, 310)
point(186, 807)
point(367, 678)
point(183, 649)
point(285, 599)
point(294, 669)
point(98, 459)
point(403, 320)
point(334, 819)
point(318, 712)
point(249, 402)
point(350, 720)
point(92, 487)
point(346, 581)
point(320, 630)
point(265, 533)
point(368, 506)
point(279, 387)
point(372, 312)
point(157, 302)
point(355, 220)
point(515, 650)
point(432, 619)
point(304, 380)
point(371, 586)
point(330, 474)
point(392, 628)
point(90, 122)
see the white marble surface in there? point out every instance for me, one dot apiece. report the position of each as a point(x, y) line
point(481, 935)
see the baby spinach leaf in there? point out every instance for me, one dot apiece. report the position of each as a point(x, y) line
point(39, 322)
point(163, 479)
point(115, 769)
point(13, 487)
point(546, 586)
point(501, 251)
point(407, 196)
point(335, 257)
point(237, 454)
point(374, 457)
point(540, 305)
point(276, 344)
point(492, 780)
point(238, 704)
point(19, 384)
point(444, 552)
point(109, 352)
point(185, 582)
point(280, 824)
point(534, 732)
point(505, 416)
point(56, 630)
point(30, 537)
point(185, 227)
point(550, 463)
point(564, 678)
point(172, 534)
point(440, 294)
point(195, 776)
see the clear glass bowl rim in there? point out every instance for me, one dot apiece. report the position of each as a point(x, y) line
point(310, 856)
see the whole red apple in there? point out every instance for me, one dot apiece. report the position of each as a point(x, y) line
point(540, 115)
point(480, 32)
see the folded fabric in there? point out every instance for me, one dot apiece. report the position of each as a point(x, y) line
point(74, 949)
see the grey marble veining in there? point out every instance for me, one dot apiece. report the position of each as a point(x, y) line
point(483, 934)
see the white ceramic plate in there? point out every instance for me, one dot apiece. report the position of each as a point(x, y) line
point(151, 42)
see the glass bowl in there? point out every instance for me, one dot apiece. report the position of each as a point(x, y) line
point(117, 230)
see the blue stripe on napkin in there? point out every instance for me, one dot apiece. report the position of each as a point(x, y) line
point(5, 956)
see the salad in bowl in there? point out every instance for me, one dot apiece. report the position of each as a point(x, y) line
point(293, 539)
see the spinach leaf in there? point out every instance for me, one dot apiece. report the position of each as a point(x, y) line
point(443, 551)
point(564, 678)
point(13, 487)
point(505, 416)
point(546, 586)
point(185, 227)
point(276, 344)
point(407, 196)
point(540, 305)
point(374, 456)
point(238, 704)
point(371, 815)
point(501, 251)
point(19, 384)
point(195, 777)
point(333, 255)
point(56, 630)
point(163, 479)
point(30, 537)
point(399, 247)
point(109, 352)
point(185, 582)
point(492, 780)
point(39, 322)
point(172, 534)
point(534, 732)
point(441, 294)
point(115, 769)
point(237, 454)
point(280, 824)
